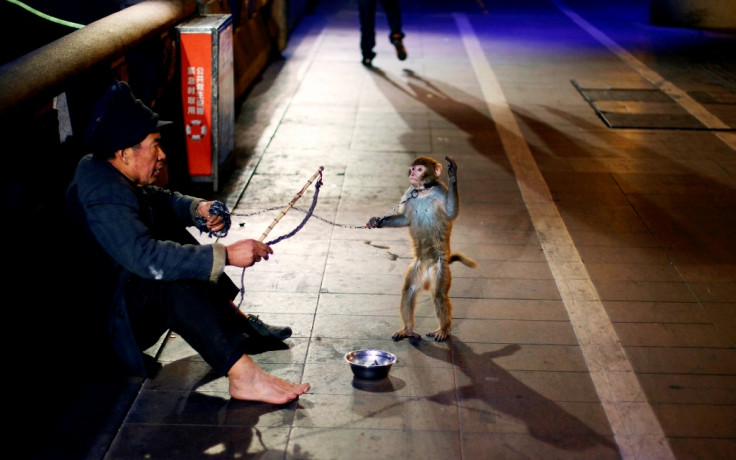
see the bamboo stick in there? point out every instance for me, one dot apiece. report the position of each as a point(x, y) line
point(291, 203)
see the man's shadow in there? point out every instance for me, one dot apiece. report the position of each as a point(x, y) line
point(502, 392)
point(227, 428)
point(160, 422)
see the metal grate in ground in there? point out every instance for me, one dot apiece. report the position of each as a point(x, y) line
point(648, 108)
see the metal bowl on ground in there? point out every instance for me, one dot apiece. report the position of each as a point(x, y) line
point(371, 363)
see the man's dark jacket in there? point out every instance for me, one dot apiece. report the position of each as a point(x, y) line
point(123, 230)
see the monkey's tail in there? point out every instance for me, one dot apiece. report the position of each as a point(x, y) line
point(465, 260)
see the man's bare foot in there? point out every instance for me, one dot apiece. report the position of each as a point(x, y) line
point(251, 383)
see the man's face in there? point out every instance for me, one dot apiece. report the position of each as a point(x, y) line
point(145, 160)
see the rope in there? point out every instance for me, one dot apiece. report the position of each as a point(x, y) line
point(286, 209)
point(306, 218)
point(217, 208)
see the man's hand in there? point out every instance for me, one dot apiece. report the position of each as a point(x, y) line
point(214, 222)
point(203, 208)
point(245, 253)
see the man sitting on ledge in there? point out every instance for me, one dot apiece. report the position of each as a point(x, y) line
point(146, 272)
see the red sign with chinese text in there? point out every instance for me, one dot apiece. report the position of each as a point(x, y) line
point(196, 83)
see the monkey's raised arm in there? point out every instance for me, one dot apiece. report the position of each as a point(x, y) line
point(452, 204)
point(451, 169)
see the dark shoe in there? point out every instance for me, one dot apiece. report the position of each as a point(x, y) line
point(264, 330)
point(400, 50)
point(368, 59)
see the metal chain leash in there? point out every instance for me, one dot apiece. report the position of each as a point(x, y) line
point(220, 209)
point(306, 211)
point(413, 194)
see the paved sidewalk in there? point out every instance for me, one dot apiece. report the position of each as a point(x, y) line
point(600, 321)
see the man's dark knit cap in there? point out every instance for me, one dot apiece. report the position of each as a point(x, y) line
point(121, 120)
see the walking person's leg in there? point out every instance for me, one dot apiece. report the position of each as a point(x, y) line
point(367, 13)
point(396, 32)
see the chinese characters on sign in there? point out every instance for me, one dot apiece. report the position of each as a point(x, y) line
point(194, 108)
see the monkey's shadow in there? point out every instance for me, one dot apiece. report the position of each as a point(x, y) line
point(502, 392)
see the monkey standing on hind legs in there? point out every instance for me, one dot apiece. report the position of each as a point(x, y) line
point(428, 209)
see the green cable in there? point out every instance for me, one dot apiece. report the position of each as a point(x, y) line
point(46, 16)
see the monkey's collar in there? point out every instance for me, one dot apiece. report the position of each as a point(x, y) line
point(416, 191)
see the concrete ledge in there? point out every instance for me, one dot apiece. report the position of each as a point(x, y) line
point(39, 76)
